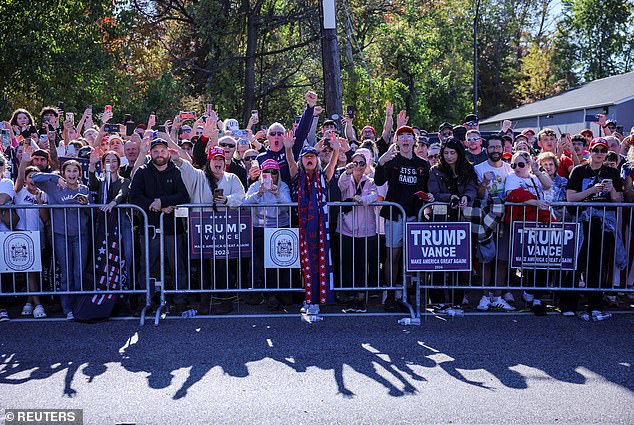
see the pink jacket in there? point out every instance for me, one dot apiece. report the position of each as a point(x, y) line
point(362, 220)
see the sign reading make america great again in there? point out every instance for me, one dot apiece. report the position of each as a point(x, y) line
point(543, 246)
point(438, 247)
point(220, 234)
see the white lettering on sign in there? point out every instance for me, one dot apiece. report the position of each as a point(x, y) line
point(438, 237)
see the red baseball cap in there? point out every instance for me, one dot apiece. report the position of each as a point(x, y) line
point(599, 141)
point(588, 131)
point(216, 152)
point(528, 130)
point(404, 129)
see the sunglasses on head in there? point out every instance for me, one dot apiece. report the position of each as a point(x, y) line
point(227, 145)
point(276, 133)
point(359, 163)
point(271, 171)
point(249, 158)
point(603, 151)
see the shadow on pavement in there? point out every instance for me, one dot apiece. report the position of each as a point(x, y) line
point(398, 358)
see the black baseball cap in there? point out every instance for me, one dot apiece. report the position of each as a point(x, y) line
point(445, 125)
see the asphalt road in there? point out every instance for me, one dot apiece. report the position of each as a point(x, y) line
point(517, 369)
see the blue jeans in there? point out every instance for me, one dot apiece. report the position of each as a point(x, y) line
point(71, 253)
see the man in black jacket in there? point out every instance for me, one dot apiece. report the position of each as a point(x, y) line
point(157, 187)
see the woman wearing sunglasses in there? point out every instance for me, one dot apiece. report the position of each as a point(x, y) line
point(595, 182)
point(357, 226)
point(526, 185)
point(268, 189)
point(453, 180)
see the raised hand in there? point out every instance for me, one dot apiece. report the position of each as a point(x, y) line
point(389, 108)
point(288, 140)
point(318, 110)
point(402, 119)
point(311, 98)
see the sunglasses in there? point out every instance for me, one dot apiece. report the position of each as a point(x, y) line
point(518, 164)
point(227, 145)
point(446, 133)
point(276, 133)
point(432, 156)
point(249, 158)
point(423, 140)
point(472, 124)
point(272, 172)
point(601, 151)
point(359, 163)
point(578, 143)
point(472, 139)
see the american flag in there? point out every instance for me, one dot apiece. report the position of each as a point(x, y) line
point(109, 268)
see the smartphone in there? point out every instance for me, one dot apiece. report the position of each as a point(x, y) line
point(6, 137)
point(298, 119)
point(254, 113)
point(129, 128)
point(604, 181)
point(70, 150)
point(350, 111)
point(60, 106)
point(619, 129)
point(111, 128)
point(592, 118)
point(70, 117)
point(161, 129)
point(218, 192)
point(267, 181)
point(127, 118)
point(188, 116)
point(108, 108)
point(80, 197)
point(43, 138)
point(153, 117)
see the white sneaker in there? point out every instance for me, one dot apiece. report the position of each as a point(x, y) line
point(500, 304)
point(597, 316)
point(39, 312)
point(70, 316)
point(27, 310)
point(528, 297)
point(484, 304)
point(508, 297)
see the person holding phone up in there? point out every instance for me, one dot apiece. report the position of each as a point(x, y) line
point(70, 238)
point(594, 182)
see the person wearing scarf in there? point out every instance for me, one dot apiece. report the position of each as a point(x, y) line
point(314, 238)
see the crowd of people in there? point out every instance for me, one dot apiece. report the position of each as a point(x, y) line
point(202, 159)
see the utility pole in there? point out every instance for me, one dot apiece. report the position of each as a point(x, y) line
point(330, 59)
point(475, 58)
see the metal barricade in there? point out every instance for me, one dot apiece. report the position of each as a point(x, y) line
point(207, 249)
point(571, 247)
point(73, 250)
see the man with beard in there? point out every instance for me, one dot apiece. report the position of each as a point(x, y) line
point(407, 176)
point(475, 154)
point(492, 176)
point(157, 187)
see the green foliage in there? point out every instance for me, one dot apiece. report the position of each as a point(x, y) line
point(162, 56)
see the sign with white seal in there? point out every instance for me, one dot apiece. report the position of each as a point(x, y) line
point(281, 248)
point(20, 252)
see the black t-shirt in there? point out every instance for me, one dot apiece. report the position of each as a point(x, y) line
point(404, 177)
point(582, 177)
